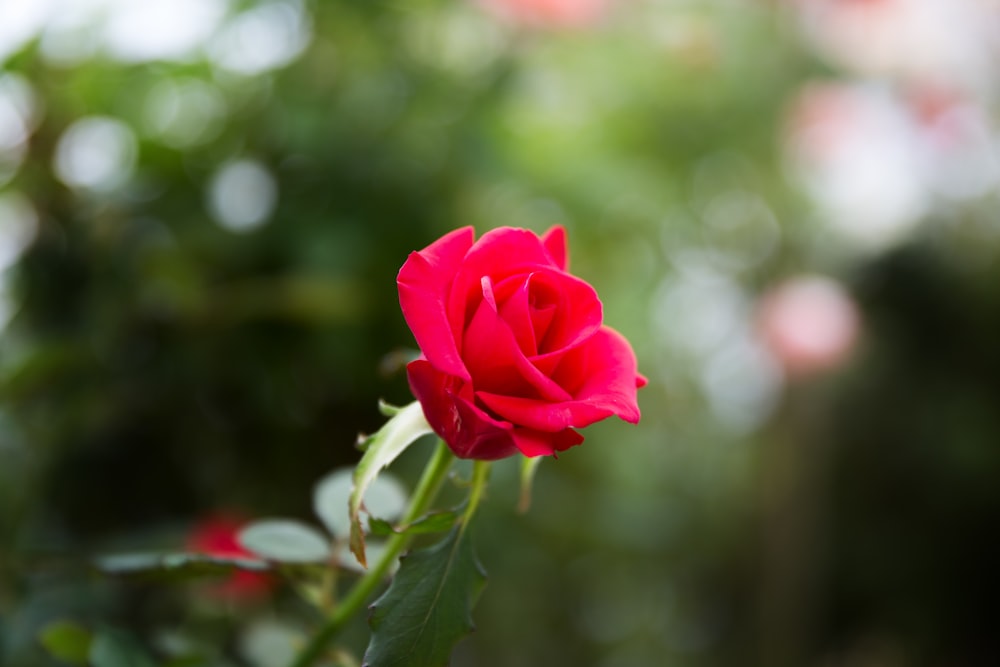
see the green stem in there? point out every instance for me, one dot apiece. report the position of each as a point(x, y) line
point(427, 488)
point(480, 473)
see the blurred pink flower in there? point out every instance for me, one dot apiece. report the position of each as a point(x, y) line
point(217, 536)
point(809, 324)
point(549, 13)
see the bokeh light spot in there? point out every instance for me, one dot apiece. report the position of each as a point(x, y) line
point(95, 153)
point(242, 195)
point(263, 38)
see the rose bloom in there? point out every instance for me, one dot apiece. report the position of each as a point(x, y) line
point(218, 536)
point(515, 355)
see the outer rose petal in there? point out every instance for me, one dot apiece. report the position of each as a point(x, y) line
point(536, 443)
point(546, 415)
point(603, 372)
point(424, 282)
point(468, 431)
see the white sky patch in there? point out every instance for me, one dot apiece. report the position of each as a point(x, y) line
point(242, 195)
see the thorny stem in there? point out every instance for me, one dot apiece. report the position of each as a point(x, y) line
point(427, 488)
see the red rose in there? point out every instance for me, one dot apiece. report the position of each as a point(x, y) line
point(515, 355)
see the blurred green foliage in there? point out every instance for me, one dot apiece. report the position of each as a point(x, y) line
point(163, 362)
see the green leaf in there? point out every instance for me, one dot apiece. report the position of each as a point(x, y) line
point(286, 541)
point(387, 409)
point(385, 498)
point(66, 641)
point(113, 648)
point(428, 606)
point(391, 440)
point(528, 467)
point(176, 565)
point(438, 522)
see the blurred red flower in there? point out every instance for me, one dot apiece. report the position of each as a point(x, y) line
point(218, 536)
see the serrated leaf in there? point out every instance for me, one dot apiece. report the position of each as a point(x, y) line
point(385, 498)
point(285, 541)
point(428, 606)
point(66, 641)
point(176, 565)
point(528, 468)
point(438, 522)
point(391, 440)
point(113, 648)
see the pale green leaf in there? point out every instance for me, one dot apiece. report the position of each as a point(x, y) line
point(269, 643)
point(387, 409)
point(176, 564)
point(385, 498)
point(286, 541)
point(383, 448)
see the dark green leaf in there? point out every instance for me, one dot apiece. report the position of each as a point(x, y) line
point(428, 606)
point(66, 641)
point(113, 648)
point(432, 523)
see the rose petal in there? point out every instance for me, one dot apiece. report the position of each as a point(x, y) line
point(546, 415)
point(536, 443)
point(468, 430)
point(554, 241)
point(498, 364)
point(424, 282)
point(603, 373)
point(578, 311)
point(517, 312)
point(499, 253)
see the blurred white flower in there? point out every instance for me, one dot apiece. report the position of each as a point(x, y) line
point(875, 162)
point(854, 148)
point(909, 40)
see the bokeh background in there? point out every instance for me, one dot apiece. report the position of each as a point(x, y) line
point(790, 208)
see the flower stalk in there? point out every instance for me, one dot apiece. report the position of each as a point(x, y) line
point(427, 489)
